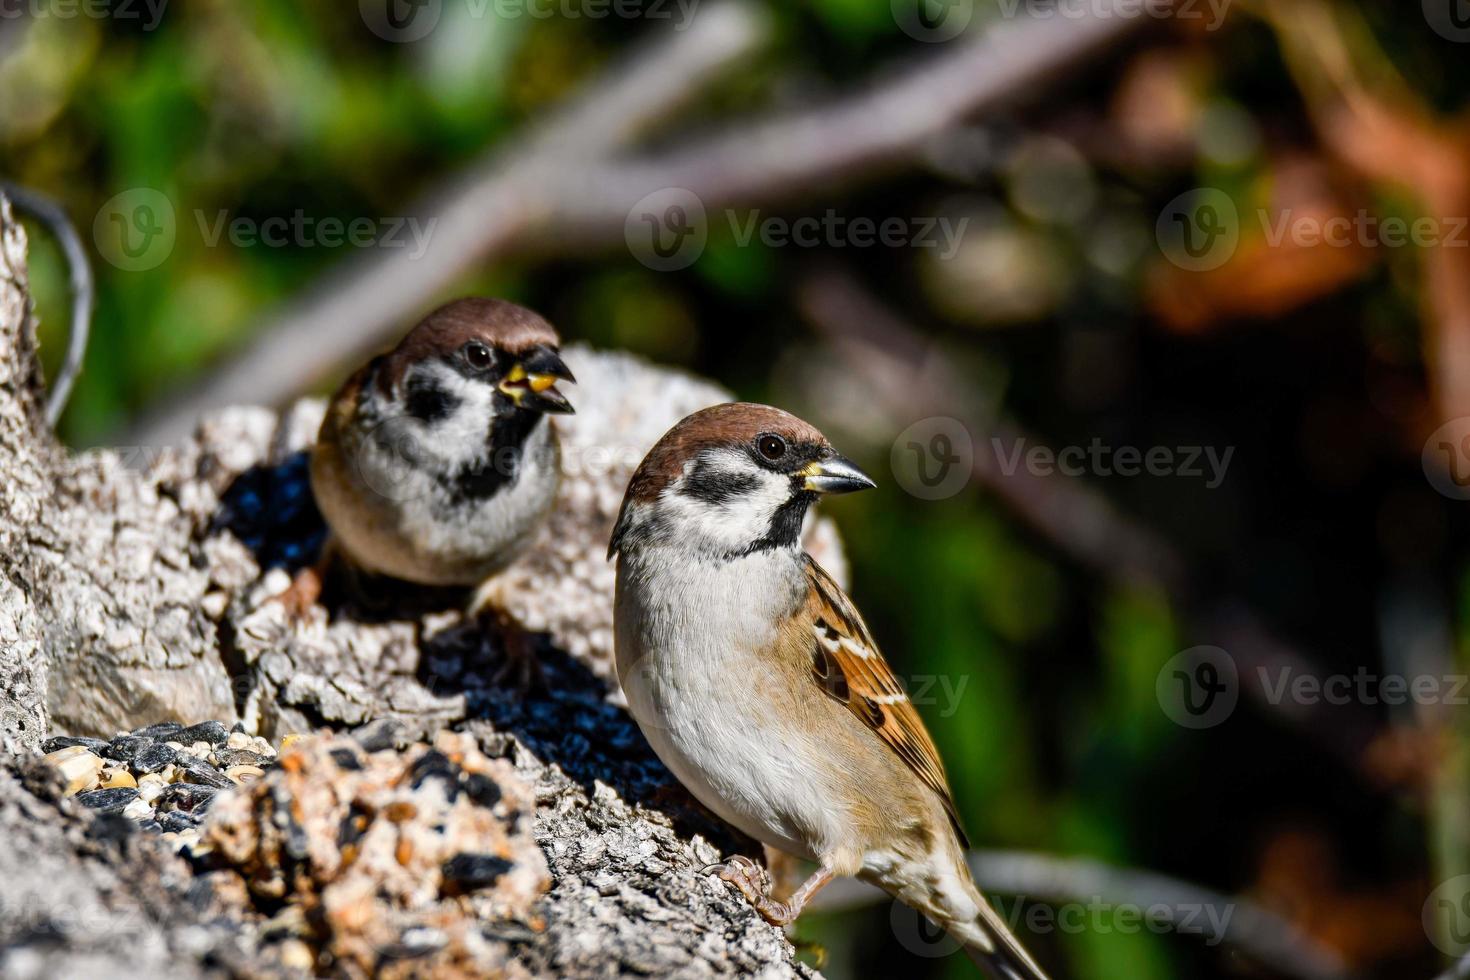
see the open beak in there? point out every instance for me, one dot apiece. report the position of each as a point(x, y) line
point(835, 474)
point(530, 382)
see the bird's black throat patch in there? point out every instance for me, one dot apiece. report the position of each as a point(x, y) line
point(785, 528)
point(505, 446)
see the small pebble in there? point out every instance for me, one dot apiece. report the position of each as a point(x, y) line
point(138, 810)
point(107, 800)
point(244, 774)
point(472, 871)
point(196, 771)
point(118, 779)
point(208, 731)
point(187, 797)
point(296, 955)
point(238, 740)
point(346, 759)
point(79, 768)
point(162, 730)
point(124, 747)
point(153, 757)
point(482, 789)
point(176, 821)
point(225, 758)
point(96, 746)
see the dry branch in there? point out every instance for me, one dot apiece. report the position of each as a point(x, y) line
point(564, 192)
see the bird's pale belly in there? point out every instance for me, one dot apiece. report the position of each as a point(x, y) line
point(729, 756)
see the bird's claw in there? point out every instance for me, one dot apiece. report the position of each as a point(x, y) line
point(753, 882)
point(301, 596)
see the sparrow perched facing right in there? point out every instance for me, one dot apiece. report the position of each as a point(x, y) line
point(757, 683)
point(436, 463)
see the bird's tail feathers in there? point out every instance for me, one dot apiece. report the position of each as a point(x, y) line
point(994, 948)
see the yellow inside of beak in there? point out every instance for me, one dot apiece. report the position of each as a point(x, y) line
point(511, 383)
point(810, 470)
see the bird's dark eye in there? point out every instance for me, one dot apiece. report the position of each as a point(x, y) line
point(771, 447)
point(478, 355)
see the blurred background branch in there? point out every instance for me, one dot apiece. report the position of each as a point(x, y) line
point(559, 194)
point(1213, 918)
point(83, 292)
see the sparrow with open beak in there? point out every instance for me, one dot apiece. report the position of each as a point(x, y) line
point(435, 462)
point(755, 680)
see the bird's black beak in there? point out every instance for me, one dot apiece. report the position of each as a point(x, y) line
point(530, 381)
point(835, 474)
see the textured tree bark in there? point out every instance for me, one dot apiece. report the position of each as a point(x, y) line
point(28, 458)
point(134, 591)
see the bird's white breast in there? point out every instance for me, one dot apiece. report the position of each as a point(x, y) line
point(690, 636)
point(397, 515)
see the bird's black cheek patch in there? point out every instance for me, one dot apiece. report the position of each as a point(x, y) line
point(716, 486)
point(428, 400)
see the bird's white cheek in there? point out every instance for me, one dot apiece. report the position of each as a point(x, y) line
point(731, 524)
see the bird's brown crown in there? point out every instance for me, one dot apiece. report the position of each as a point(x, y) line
point(498, 323)
point(731, 424)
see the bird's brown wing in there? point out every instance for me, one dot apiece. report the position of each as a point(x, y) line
point(849, 667)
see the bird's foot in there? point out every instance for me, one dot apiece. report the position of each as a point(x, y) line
point(520, 668)
point(755, 885)
point(298, 598)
